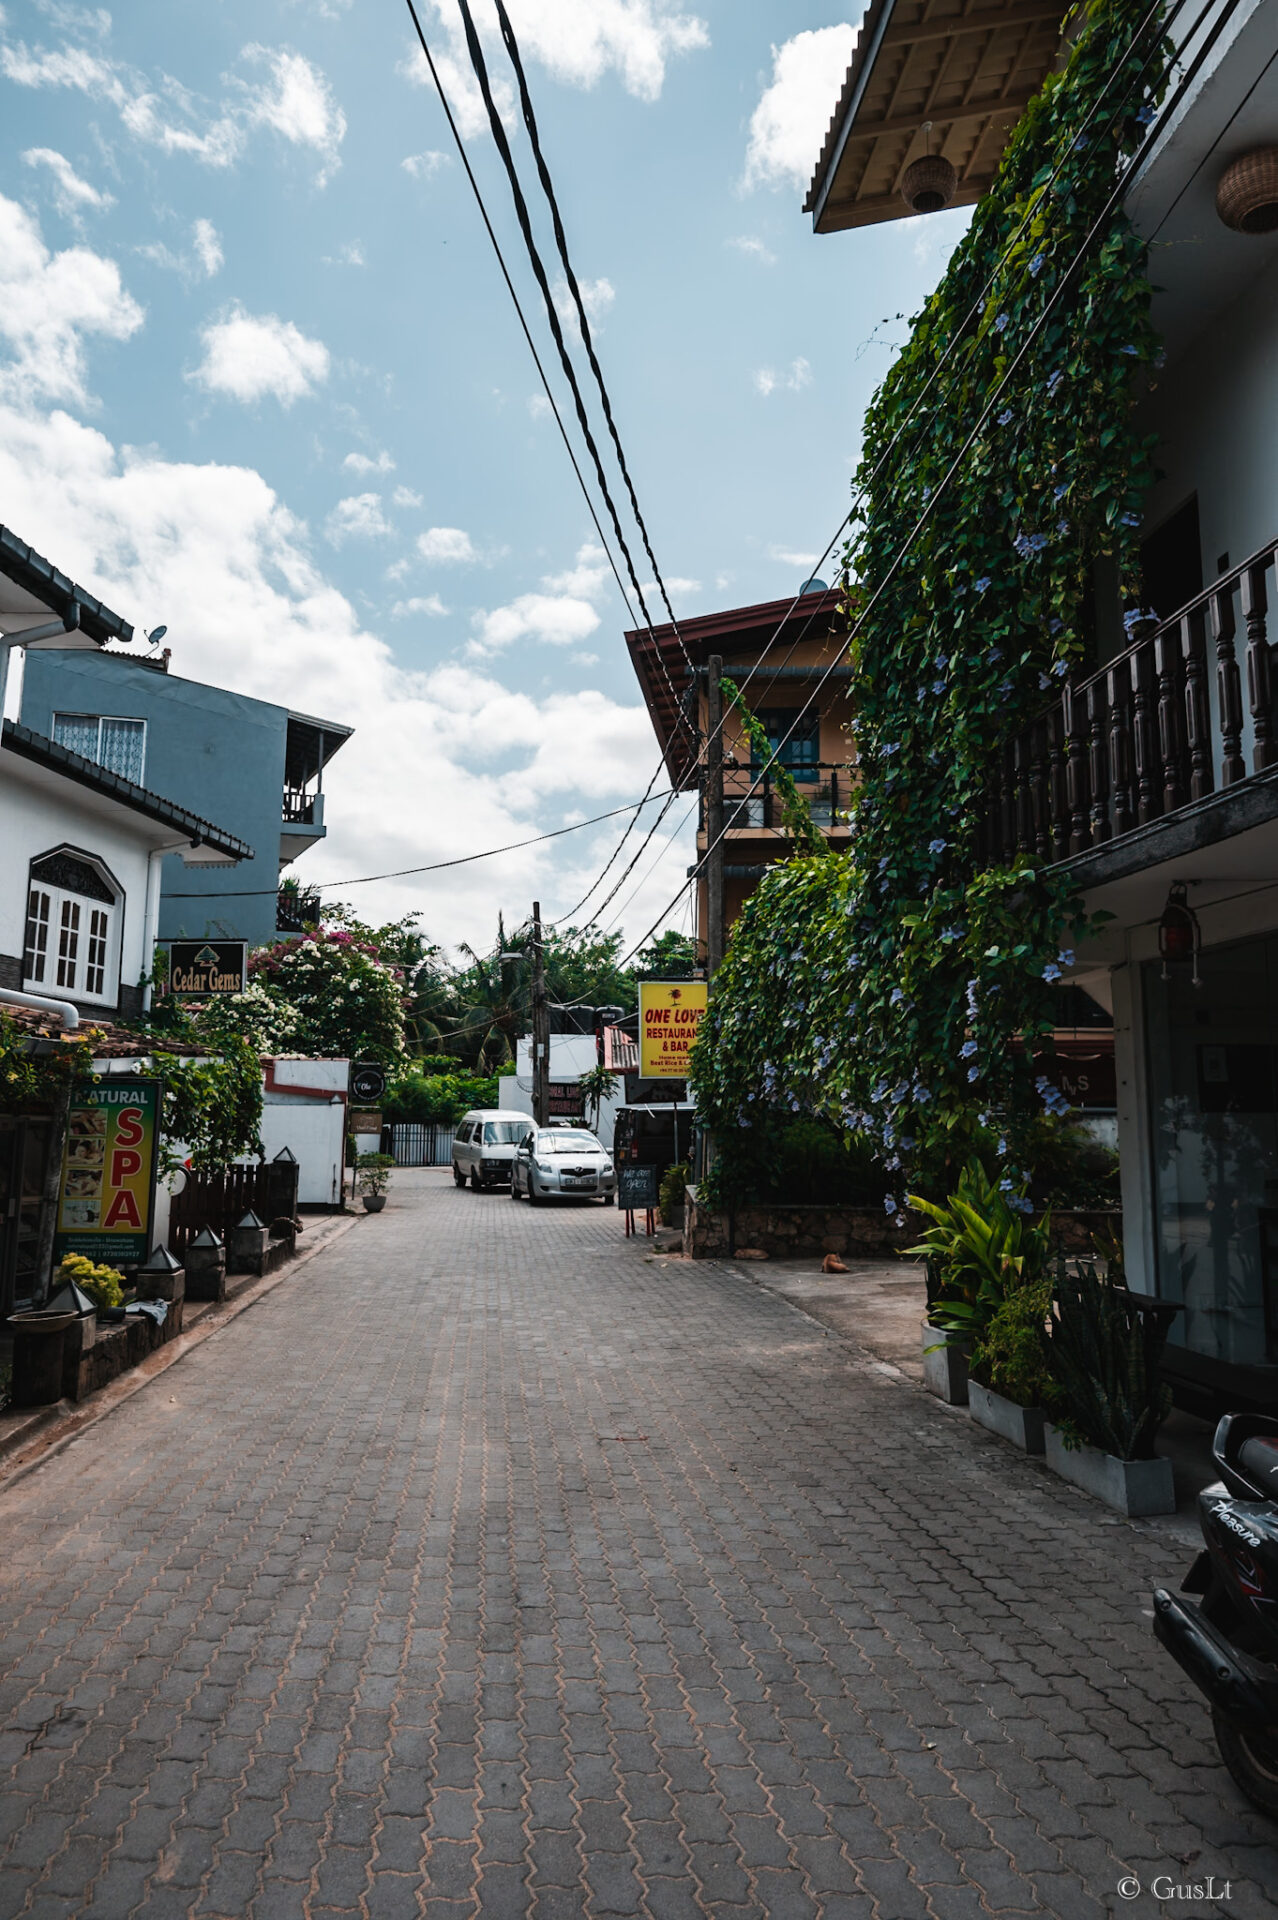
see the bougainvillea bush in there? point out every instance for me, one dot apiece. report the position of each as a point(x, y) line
point(345, 999)
point(883, 989)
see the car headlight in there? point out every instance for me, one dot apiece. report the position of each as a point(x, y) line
point(543, 1168)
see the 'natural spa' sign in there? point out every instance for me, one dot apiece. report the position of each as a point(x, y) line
point(108, 1171)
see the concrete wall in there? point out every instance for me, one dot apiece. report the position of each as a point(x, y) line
point(40, 814)
point(220, 754)
point(571, 1055)
point(1215, 410)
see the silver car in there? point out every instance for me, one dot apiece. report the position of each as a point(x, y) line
point(562, 1160)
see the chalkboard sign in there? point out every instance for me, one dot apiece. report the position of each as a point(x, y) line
point(636, 1187)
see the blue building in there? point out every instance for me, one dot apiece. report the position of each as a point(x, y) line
point(256, 768)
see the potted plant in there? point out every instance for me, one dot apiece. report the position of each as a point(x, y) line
point(979, 1247)
point(372, 1175)
point(670, 1195)
point(1008, 1382)
point(1103, 1349)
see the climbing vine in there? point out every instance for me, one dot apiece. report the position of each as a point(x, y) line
point(886, 988)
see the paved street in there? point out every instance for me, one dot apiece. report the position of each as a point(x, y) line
point(487, 1567)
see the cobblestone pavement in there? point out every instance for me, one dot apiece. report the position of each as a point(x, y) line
point(489, 1568)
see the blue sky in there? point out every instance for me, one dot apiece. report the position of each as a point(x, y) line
point(261, 382)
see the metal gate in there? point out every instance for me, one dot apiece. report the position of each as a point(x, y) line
point(418, 1144)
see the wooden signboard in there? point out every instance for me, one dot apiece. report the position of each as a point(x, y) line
point(637, 1188)
point(199, 969)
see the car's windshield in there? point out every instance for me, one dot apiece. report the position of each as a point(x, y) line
point(561, 1141)
point(504, 1133)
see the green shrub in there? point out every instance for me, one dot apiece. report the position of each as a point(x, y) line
point(104, 1285)
point(980, 1247)
point(1103, 1351)
point(373, 1172)
point(671, 1192)
point(1007, 1356)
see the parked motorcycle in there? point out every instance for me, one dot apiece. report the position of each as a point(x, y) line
point(1228, 1642)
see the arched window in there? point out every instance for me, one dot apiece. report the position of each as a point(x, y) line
point(73, 928)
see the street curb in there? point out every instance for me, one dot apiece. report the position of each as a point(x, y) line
point(58, 1434)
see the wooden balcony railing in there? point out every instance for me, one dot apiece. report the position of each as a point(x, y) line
point(1161, 725)
point(827, 794)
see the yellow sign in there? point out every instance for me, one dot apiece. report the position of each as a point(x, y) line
point(669, 1014)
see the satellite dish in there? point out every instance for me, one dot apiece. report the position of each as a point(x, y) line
point(814, 586)
point(156, 635)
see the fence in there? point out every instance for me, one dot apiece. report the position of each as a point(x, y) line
point(416, 1144)
point(220, 1199)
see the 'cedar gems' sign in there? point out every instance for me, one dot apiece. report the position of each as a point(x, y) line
point(200, 968)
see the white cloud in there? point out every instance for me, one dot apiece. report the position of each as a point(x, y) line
point(204, 259)
point(584, 659)
point(577, 41)
point(555, 619)
point(424, 166)
point(72, 195)
point(430, 604)
point(586, 578)
point(596, 297)
point(538, 406)
point(358, 517)
point(248, 356)
point(446, 546)
point(791, 379)
point(790, 558)
point(404, 496)
point(208, 247)
point(361, 463)
point(292, 98)
point(351, 255)
point(753, 248)
point(788, 127)
point(49, 302)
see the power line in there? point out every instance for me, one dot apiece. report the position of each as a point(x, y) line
point(435, 866)
point(543, 174)
point(525, 226)
point(510, 288)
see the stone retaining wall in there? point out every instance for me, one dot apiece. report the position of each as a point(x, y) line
point(863, 1233)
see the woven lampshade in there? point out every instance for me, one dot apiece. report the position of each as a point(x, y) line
point(1247, 192)
point(928, 184)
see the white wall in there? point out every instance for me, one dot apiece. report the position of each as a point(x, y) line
point(315, 1134)
point(1215, 410)
point(36, 819)
point(571, 1055)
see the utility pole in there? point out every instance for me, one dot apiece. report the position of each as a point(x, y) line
point(714, 815)
point(540, 1025)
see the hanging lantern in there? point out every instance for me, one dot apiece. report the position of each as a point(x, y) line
point(1179, 934)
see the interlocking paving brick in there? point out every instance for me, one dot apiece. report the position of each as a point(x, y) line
point(491, 1568)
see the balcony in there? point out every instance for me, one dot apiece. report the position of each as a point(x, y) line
point(302, 823)
point(827, 786)
point(1171, 747)
point(295, 910)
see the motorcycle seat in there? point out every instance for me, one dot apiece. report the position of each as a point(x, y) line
point(1258, 1459)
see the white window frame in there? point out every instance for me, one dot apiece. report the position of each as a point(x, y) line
point(101, 720)
point(80, 956)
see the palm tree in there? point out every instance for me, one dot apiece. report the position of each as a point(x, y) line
point(495, 997)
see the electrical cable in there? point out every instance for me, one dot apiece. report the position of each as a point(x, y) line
point(525, 226)
point(435, 866)
point(510, 288)
point(1113, 199)
point(547, 186)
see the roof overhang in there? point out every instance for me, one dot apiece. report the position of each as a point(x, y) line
point(969, 67)
point(33, 592)
point(666, 659)
point(47, 767)
point(310, 745)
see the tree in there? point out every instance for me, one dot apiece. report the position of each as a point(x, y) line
point(495, 995)
point(672, 957)
point(347, 999)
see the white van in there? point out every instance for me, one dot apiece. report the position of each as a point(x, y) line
point(484, 1146)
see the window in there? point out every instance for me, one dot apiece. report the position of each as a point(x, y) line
point(802, 751)
point(116, 744)
point(72, 929)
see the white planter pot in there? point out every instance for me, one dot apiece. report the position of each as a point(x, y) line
point(1134, 1487)
point(1023, 1426)
point(945, 1370)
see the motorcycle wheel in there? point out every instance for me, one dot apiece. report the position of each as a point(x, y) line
point(1252, 1759)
